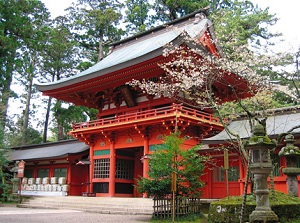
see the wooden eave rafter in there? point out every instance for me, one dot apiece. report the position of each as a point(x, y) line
point(77, 93)
point(230, 87)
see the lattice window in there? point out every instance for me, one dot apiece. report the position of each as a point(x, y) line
point(124, 169)
point(43, 173)
point(28, 173)
point(276, 164)
point(219, 175)
point(101, 168)
point(60, 172)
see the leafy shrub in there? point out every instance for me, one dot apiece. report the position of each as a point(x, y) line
point(228, 210)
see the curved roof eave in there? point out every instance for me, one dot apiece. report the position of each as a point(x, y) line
point(130, 54)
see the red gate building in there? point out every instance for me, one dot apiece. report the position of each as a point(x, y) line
point(131, 122)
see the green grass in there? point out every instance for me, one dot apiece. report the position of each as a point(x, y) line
point(187, 219)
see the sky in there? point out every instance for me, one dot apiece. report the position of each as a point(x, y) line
point(287, 11)
point(289, 16)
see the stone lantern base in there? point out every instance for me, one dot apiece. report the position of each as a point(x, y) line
point(292, 180)
point(267, 216)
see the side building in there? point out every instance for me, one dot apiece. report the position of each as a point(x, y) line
point(53, 169)
point(279, 122)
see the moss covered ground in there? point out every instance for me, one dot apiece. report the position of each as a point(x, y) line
point(228, 209)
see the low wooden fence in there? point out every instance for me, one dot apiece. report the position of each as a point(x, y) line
point(183, 206)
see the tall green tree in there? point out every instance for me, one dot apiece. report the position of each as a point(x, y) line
point(169, 10)
point(15, 136)
point(26, 73)
point(137, 15)
point(58, 60)
point(243, 23)
point(243, 27)
point(169, 158)
point(94, 25)
point(66, 115)
point(17, 28)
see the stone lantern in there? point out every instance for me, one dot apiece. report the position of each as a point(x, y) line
point(259, 146)
point(291, 153)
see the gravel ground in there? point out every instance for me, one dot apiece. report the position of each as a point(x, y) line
point(12, 214)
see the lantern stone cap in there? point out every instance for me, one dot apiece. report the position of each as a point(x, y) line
point(290, 149)
point(259, 138)
point(291, 171)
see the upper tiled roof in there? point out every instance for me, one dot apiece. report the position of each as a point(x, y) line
point(135, 50)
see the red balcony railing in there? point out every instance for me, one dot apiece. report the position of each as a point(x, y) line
point(151, 114)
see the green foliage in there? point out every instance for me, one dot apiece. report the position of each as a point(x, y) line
point(5, 188)
point(84, 65)
point(19, 28)
point(169, 10)
point(227, 209)
point(137, 15)
point(16, 137)
point(242, 22)
point(94, 26)
point(64, 117)
point(259, 102)
point(91, 26)
point(168, 158)
point(59, 57)
point(197, 218)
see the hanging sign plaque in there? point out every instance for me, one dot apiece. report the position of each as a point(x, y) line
point(21, 168)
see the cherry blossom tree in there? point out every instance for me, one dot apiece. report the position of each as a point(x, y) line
point(194, 77)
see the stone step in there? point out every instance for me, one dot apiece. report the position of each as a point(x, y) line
point(104, 206)
point(59, 203)
point(131, 206)
point(94, 210)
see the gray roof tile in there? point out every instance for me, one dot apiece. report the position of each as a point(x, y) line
point(275, 125)
point(47, 151)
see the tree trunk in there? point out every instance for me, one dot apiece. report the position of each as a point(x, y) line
point(100, 49)
point(60, 132)
point(27, 109)
point(47, 120)
point(60, 128)
point(46, 124)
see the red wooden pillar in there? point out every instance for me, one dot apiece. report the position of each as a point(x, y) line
point(91, 169)
point(112, 170)
point(51, 170)
point(146, 160)
point(242, 176)
point(146, 154)
point(69, 173)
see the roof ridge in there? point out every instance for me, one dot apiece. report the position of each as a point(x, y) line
point(181, 20)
